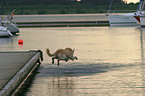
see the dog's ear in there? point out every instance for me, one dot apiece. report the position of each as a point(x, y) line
point(73, 50)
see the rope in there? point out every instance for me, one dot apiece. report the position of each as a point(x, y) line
point(110, 6)
point(141, 5)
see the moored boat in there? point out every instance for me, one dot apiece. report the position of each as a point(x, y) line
point(142, 20)
point(142, 14)
point(130, 19)
point(9, 23)
point(11, 26)
point(125, 19)
point(4, 32)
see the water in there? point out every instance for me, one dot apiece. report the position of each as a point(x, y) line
point(111, 61)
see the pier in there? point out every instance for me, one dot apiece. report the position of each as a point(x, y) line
point(64, 24)
point(15, 67)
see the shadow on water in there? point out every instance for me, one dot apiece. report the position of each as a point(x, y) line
point(78, 69)
point(69, 70)
point(26, 84)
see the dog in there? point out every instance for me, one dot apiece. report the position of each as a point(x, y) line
point(62, 54)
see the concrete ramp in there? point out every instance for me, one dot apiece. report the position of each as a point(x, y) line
point(15, 66)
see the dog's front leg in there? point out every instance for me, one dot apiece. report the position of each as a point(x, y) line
point(58, 62)
point(53, 60)
point(76, 58)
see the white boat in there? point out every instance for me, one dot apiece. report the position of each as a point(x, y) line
point(11, 26)
point(4, 32)
point(142, 20)
point(142, 14)
point(9, 23)
point(125, 19)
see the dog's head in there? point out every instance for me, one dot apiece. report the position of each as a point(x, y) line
point(69, 49)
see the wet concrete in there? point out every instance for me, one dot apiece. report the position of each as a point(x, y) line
point(13, 68)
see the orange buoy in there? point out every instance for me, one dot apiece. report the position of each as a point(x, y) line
point(12, 14)
point(20, 42)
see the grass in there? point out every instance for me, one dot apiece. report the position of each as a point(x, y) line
point(65, 9)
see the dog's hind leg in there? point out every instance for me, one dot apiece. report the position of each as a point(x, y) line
point(66, 60)
point(58, 62)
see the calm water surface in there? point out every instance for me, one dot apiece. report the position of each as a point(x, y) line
point(111, 61)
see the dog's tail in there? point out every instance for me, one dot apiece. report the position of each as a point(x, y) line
point(48, 53)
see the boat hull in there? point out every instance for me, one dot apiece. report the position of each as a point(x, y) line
point(142, 21)
point(11, 27)
point(4, 32)
point(123, 20)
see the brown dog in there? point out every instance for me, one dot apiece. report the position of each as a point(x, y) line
point(62, 54)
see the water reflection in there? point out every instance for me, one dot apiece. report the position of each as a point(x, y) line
point(7, 44)
point(142, 40)
point(63, 86)
point(5, 41)
point(83, 79)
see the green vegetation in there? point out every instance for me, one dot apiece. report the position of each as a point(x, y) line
point(23, 7)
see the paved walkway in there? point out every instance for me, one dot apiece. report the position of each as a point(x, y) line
point(14, 66)
point(10, 64)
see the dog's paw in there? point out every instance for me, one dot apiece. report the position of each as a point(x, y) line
point(52, 62)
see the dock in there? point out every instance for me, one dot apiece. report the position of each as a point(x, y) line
point(15, 67)
point(63, 24)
